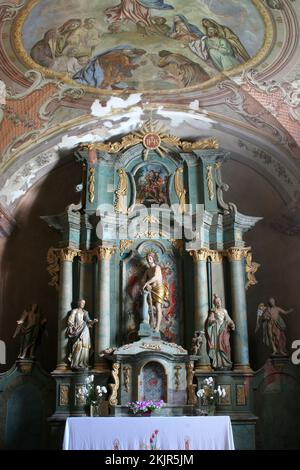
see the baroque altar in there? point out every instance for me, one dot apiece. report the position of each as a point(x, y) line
point(158, 258)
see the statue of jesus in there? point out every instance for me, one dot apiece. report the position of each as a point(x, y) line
point(152, 282)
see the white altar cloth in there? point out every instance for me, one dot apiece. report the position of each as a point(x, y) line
point(149, 433)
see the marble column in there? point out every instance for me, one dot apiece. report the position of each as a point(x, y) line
point(201, 302)
point(64, 304)
point(239, 308)
point(85, 277)
point(102, 333)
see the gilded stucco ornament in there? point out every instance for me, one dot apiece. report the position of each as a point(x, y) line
point(251, 268)
point(179, 189)
point(121, 192)
point(114, 387)
point(153, 137)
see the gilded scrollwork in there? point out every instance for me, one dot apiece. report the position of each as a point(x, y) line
point(124, 246)
point(251, 268)
point(53, 266)
point(192, 398)
point(114, 387)
point(179, 189)
point(121, 192)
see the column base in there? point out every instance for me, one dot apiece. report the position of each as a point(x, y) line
point(243, 368)
point(62, 367)
point(102, 365)
point(203, 368)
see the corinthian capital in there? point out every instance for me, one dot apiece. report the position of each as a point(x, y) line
point(237, 254)
point(199, 255)
point(104, 252)
point(86, 257)
point(68, 254)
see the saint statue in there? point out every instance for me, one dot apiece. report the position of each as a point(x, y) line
point(197, 342)
point(218, 326)
point(269, 316)
point(158, 291)
point(78, 332)
point(30, 327)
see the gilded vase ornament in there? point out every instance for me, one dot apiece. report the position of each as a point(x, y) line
point(91, 186)
point(121, 192)
point(210, 183)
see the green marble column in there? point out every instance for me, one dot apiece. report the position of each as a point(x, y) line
point(64, 304)
point(201, 302)
point(85, 276)
point(239, 308)
point(102, 333)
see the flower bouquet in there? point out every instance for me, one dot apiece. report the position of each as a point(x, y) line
point(144, 408)
point(92, 395)
point(209, 396)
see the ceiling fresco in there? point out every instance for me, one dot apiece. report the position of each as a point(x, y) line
point(143, 45)
point(76, 71)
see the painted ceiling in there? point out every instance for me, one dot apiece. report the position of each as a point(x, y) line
point(73, 71)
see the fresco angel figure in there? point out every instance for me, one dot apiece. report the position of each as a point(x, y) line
point(220, 45)
point(183, 30)
point(137, 11)
point(273, 325)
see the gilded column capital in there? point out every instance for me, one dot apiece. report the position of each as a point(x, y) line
point(104, 252)
point(237, 254)
point(67, 254)
point(86, 257)
point(199, 255)
point(216, 256)
point(125, 245)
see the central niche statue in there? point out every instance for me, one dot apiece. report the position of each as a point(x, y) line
point(218, 328)
point(158, 292)
point(78, 333)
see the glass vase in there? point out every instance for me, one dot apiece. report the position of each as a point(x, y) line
point(95, 409)
point(206, 410)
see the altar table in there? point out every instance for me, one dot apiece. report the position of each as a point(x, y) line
point(149, 433)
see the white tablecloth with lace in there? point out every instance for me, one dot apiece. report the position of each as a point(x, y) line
point(149, 433)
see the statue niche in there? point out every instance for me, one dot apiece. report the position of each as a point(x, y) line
point(157, 306)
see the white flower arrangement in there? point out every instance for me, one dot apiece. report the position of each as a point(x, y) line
point(210, 395)
point(91, 393)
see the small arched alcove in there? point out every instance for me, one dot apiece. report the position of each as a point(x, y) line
point(153, 381)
